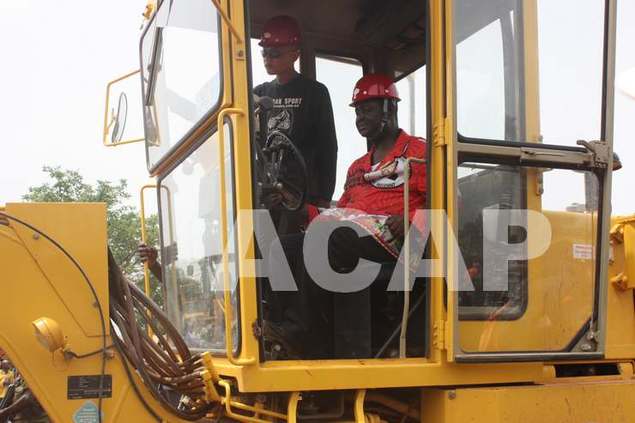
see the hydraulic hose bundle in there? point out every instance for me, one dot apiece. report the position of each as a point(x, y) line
point(147, 339)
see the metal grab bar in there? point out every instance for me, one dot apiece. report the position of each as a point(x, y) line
point(406, 245)
point(229, 312)
point(144, 236)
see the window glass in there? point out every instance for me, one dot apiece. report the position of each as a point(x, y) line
point(489, 187)
point(570, 54)
point(540, 303)
point(340, 76)
point(530, 71)
point(181, 71)
point(412, 111)
point(192, 247)
point(480, 82)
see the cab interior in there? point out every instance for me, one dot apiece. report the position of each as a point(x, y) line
point(340, 43)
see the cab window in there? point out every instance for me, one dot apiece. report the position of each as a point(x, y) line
point(181, 73)
point(340, 74)
point(413, 105)
point(190, 201)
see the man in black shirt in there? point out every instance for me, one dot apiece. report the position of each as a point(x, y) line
point(301, 107)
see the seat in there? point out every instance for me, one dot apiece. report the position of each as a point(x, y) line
point(364, 322)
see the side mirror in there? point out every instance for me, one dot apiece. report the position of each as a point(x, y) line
point(123, 118)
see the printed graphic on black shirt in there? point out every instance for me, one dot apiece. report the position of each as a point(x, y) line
point(281, 120)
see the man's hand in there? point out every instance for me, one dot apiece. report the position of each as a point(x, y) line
point(396, 225)
point(147, 254)
point(273, 199)
point(150, 255)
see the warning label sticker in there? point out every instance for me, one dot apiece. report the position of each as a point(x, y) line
point(87, 413)
point(583, 251)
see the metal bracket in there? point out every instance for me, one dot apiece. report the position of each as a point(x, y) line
point(599, 152)
point(590, 341)
point(438, 334)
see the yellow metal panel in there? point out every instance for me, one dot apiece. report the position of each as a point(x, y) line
point(620, 326)
point(81, 229)
point(629, 254)
point(358, 374)
point(560, 295)
point(584, 402)
point(442, 135)
point(39, 283)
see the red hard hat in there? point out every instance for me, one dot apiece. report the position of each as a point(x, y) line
point(374, 85)
point(280, 31)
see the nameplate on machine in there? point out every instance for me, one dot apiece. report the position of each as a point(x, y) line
point(87, 386)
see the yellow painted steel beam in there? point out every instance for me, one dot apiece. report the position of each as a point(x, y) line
point(561, 403)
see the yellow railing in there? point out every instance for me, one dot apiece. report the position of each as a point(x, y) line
point(229, 312)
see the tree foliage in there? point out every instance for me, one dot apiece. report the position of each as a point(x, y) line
point(124, 224)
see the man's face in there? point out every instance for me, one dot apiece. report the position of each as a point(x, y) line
point(369, 116)
point(279, 59)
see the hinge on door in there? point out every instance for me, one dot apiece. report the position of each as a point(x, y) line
point(438, 334)
point(438, 133)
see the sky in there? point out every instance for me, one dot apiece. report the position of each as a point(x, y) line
point(59, 56)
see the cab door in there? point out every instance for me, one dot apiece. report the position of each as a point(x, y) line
point(196, 99)
point(529, 155)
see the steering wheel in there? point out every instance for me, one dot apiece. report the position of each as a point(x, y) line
point(282, 170)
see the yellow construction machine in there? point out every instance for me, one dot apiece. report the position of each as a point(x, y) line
point(515, 99)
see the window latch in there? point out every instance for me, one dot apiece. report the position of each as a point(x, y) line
point(599, 152)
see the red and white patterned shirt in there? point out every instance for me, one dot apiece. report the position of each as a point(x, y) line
point(378, 189)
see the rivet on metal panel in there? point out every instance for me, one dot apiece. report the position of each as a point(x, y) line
point(36, 236)
point(452, 394)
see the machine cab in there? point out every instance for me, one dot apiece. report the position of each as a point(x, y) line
point(517, 211)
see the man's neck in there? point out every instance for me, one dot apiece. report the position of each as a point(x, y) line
point(286, 76)
point(384, 143)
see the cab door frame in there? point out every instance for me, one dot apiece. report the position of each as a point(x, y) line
point(446, 134)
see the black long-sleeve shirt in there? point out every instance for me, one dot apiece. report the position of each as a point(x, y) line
point(302, 110)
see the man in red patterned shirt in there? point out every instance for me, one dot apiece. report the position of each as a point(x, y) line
point(373, 200)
